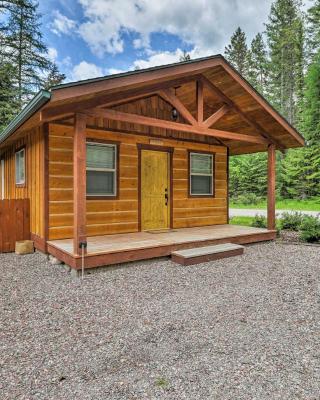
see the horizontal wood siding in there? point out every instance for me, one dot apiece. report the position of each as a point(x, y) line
point(33, 188)
point(121, 215)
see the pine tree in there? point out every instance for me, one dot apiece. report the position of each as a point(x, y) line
point(248, 175)
point(310, 126)
point(185, 56)
point(258, 62)
point(8, 95)
point(285, 34)
point(237, 52)
point(27, 51)
point(302, 167)
point(54, 77)
point(313, 29)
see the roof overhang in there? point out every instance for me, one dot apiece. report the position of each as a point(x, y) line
point(31, 108)
point(69, 96)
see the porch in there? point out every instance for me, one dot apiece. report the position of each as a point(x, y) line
point(113, 249)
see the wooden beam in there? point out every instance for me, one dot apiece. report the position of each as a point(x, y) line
point(262, 102)
point(271, 187)
point(218, 93)
point(153, 75)
point(110, 99)
point(200, 106)
point(140, 119)
point(169, 97)
point(200, 102)
point(79, 183)
point(216, 116)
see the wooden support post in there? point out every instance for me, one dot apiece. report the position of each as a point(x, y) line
point(79, 183)
point(45, 183)
point(271, 187)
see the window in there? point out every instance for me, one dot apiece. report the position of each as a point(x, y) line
point(20, 167)
point(201, 174)
point(101, 169)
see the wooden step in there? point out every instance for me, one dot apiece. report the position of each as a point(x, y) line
point(204, 254)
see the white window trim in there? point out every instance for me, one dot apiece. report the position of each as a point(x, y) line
point(115, 169)
point(200, 174)
point(22, 182)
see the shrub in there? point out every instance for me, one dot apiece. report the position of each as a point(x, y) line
point(310, 229)
point(248, 199)
point(259, 221)
point(291, 221)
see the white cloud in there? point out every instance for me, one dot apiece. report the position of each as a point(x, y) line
point(207, 24)
point(52, 54)
point(85, 70)
point(112, 71)
point(167, 57)
point(62, 24)
point(66, 62)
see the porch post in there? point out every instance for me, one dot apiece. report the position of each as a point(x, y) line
point(271, 187)
point(79, 183)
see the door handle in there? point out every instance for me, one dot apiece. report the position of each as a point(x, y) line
point(166, 197)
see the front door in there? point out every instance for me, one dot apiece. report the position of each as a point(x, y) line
point(155, 204)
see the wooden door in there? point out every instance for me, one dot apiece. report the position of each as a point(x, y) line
point(155, 201)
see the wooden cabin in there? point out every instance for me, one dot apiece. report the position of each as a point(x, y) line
point(135, 165)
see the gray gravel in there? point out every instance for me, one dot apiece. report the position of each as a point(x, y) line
point(240, 328)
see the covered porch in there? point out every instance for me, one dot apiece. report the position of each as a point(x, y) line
point(119, 248)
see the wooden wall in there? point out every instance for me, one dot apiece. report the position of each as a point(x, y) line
point(120, 216)
point(33, 188)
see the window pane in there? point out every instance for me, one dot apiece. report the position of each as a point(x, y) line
point(201, 163)
point(100, 183)
point(17, 167)
point(20, 166)
point(100, 156)
point(201, 184)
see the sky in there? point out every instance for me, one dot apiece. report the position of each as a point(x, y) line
point(90, 38)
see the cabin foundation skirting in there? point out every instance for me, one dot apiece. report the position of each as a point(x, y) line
point(39, 243)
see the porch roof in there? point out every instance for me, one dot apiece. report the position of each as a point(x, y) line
point(230, 105)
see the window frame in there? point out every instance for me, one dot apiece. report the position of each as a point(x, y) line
point(19, 150)
point(197, 195)
point(116, 170)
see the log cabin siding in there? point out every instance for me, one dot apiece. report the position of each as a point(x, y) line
point(121, 215)
point(33, 188)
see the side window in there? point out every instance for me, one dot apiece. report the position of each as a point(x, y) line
point(201, 174)
point(101, 169)
point(20, 167)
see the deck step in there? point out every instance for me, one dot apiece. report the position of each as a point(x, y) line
point(204, 254)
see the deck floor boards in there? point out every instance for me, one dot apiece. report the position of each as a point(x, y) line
point(145, 240)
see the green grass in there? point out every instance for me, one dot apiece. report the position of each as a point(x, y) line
point(244, 221)
point(161, 382)
point(286, 204)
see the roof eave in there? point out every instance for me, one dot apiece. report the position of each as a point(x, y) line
point(33, 106)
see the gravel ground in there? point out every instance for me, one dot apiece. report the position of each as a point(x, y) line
point(241, 328)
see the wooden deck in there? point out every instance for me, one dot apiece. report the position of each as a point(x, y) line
point(113, 249)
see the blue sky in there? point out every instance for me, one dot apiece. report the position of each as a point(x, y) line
point(89, 38)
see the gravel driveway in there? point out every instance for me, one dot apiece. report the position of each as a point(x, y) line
point(240, 328)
